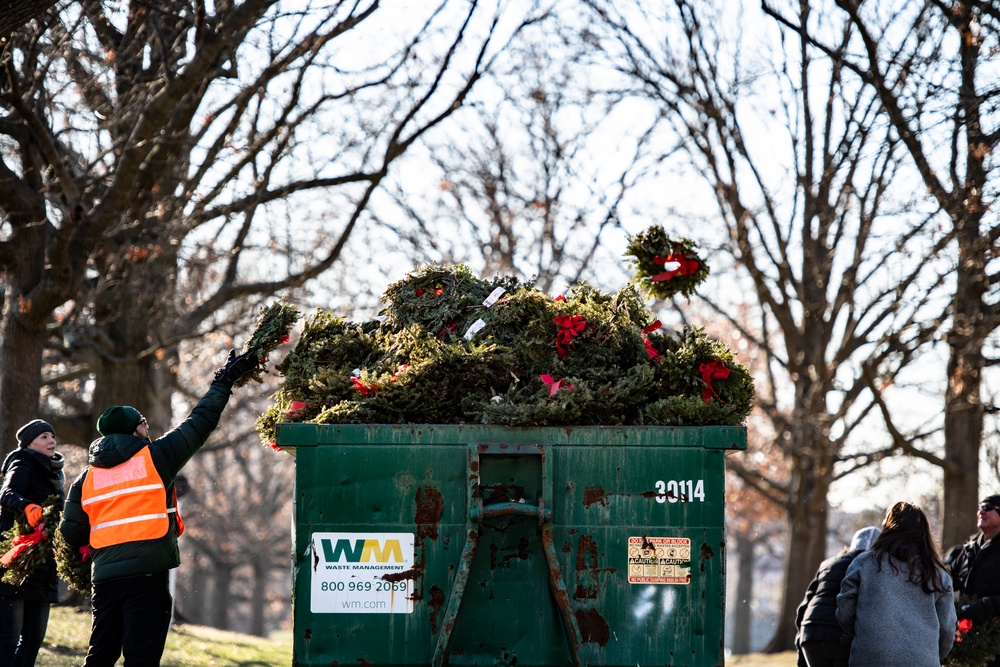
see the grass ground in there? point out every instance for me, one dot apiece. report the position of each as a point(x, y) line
point(198, 646)
point(187, 645)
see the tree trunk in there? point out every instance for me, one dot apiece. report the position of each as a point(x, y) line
point(963, 415)
point(258, 598)
point(20, 379)
point(808, 509)
point(23, 336)
point(740, 642)
point(222, 579)
point(129, 374)
point(193, 585)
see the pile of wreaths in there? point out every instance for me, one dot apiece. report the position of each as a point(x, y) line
point(453, 348)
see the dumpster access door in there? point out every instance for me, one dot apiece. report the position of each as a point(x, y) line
point(479, 545)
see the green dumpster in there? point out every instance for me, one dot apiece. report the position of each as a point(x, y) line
point(482, 545)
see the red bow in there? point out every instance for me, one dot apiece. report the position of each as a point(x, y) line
point(365, 389)
point(554, 385)
point(570, 326)
point(713, 370)
point(964, 625)
point(686, 268)
point(21, 544)
point(650, 350)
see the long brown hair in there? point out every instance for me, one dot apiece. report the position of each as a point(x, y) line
point(906, 538)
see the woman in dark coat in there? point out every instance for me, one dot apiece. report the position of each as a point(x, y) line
point(31, 473)
point(820, 639)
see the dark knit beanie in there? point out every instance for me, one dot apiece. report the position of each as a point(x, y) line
point(993, 500)
point(32, 430)
point(119, 419)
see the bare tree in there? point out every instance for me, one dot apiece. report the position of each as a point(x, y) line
point(156, 159)
point(836, 259)
point(932, 67)
point(15, 13)
point(523, 182)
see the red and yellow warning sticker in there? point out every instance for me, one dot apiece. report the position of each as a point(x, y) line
point(659, 560)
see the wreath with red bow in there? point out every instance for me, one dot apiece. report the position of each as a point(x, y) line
point(665, 267)
point(976, 644)
point(25, 548)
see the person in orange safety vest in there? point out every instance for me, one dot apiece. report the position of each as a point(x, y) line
point(124, 509)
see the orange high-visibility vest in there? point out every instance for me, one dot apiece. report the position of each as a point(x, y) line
point(126, 503)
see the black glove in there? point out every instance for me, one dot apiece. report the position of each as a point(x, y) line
point(237, 366)
point(975, 612)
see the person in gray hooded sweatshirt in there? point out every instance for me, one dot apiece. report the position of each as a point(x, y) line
point(819, 639)
point(896, 600)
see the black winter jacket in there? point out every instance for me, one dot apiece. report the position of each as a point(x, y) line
point(816, 617)
point(975, 574)
point(30, 477)
point(169, 453)
point(975, 571)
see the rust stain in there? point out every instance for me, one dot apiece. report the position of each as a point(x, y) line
point(593, 627)
point(594, 495)
point(588, 569)
point(410, 574)
point(435, 604)
point(704, 555)
point(429, 508)
point(308, 633)
point(520, 552)
point(586, 546)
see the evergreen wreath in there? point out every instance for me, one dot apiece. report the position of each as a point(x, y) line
point(73, 565)
point(25, 548)
point(452, 348)
point(274, 326)
point(663, 266)
point(976, 645)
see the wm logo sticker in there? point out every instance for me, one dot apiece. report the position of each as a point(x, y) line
point(361, 551)
point(362, 573)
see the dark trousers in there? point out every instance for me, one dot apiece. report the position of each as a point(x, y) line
point(131, 617)
point(826, 654)
point(22, 629)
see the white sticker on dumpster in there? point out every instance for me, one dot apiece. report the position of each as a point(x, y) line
point(659, 560)
point(362, 573)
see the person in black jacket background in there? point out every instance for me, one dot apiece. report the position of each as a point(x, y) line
point(975, 567)
point(31, 474)
point(819, 639)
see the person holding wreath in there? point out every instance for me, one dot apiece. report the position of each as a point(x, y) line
point(32, 473)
